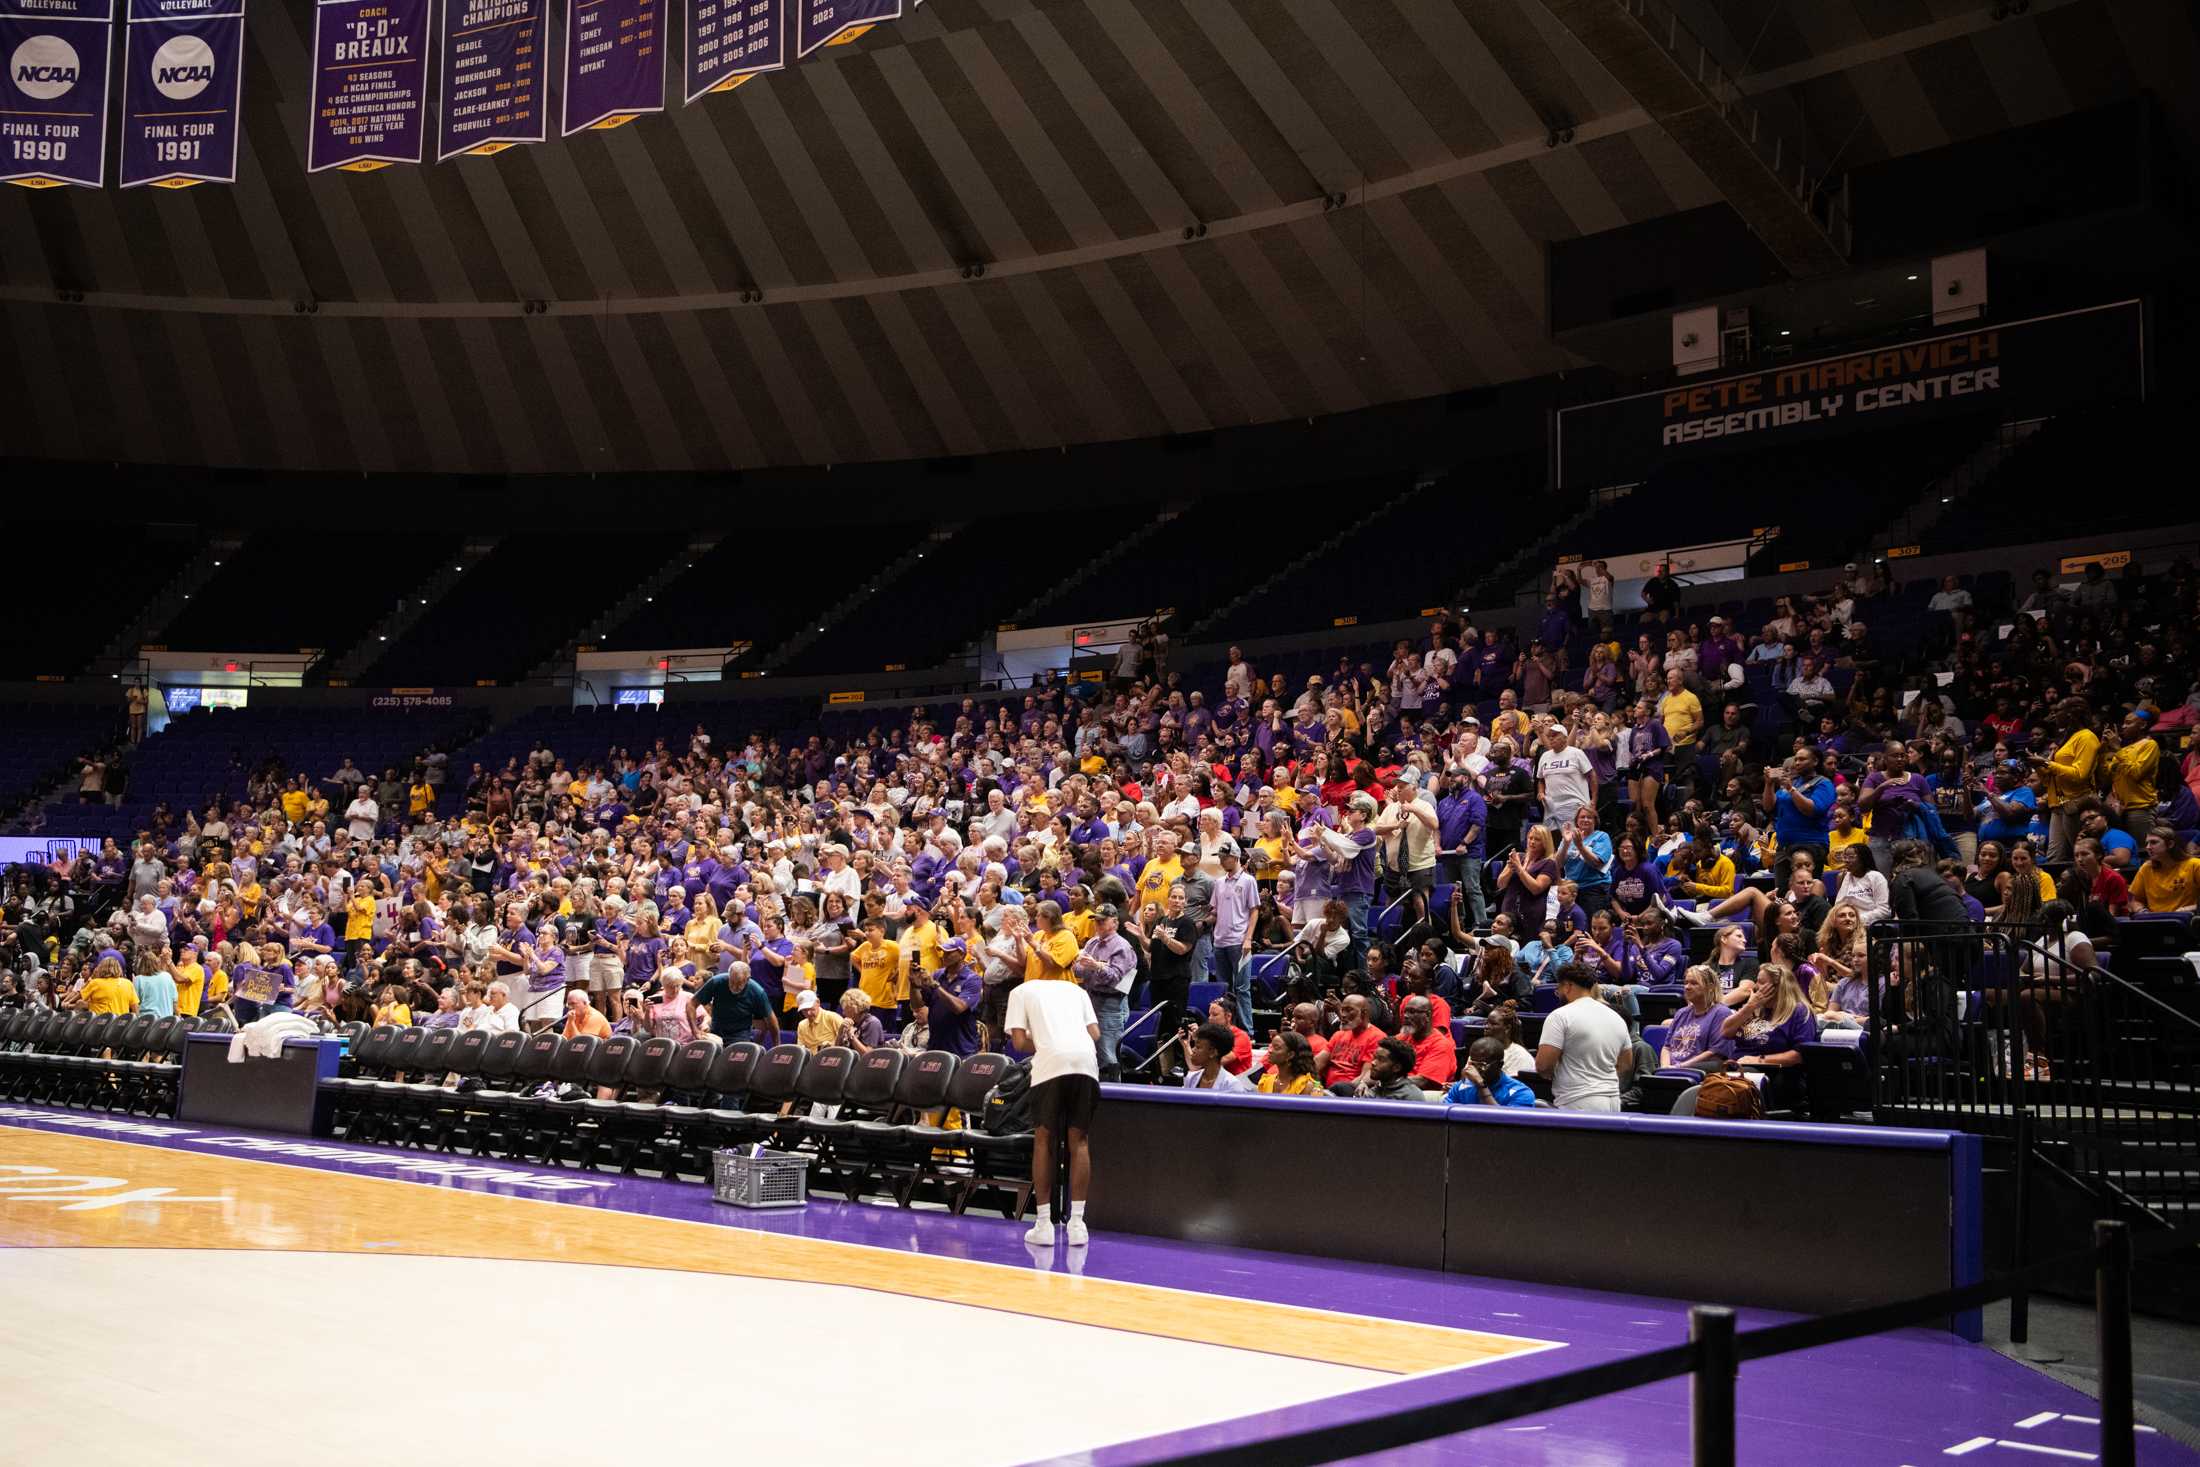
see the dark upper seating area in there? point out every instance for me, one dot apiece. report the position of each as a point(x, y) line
point(2067, 452)
point(526, 598)
point(248, 606)
point(90, 581)
point(41, 743)
point(759, 591)
point(1828, 499)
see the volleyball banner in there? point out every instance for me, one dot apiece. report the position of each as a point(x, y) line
point(370, 84)
point(182, 79)
point(822, 22)
point(614, 62)
point(729, 41)
point(53, 108)
point(490, 77)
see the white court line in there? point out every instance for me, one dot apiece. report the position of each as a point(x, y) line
point(2049, 1451)
point(2040, 1420)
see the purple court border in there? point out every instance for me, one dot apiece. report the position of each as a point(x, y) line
point(1899, 1399)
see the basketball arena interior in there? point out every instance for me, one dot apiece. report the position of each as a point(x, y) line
point(1100, 732)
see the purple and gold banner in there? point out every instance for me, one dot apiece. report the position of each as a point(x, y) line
point(182, 83)
point(614, 62)
point(370, 84)
point(53, 107)
point(492, 76)
point(827, 22)
point(729, 41)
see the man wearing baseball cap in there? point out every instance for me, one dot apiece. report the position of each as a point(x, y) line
point(950, 995)
point(1106, 966)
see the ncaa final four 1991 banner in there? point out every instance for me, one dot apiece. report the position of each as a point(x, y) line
point(2008, 369)
point(370, 84)
point(53, 106)
point(614, 61)
point(182, 63)
point(492, 76)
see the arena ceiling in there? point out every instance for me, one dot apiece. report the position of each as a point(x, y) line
point(1066, 145)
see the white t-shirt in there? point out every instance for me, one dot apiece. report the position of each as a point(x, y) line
point(363, 813)
point(1565, 774)
point(1057, 1016)
point(1589, 1037)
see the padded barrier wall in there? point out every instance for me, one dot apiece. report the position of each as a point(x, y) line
point(1808, 1218)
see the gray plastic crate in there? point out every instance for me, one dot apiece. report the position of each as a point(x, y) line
point(767, 1179)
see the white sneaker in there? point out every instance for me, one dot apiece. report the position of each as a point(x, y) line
point(1040, 1233)
point(1075, 1235)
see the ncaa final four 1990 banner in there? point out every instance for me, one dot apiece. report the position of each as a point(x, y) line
point(182, 64)
point(370, 84)
point(729, 41)
point(2010, 369)
point(491, 77)
point(53, 106)
point(821, 22)
point(614, 61)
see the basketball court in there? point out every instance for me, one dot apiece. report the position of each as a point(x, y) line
point(513, 1311)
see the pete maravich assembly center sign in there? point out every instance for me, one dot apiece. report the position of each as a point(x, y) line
point(2013, 369)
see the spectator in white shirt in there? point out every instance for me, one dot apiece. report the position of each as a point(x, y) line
point(363, 814)
point(1211, 1044)
point(1951, 597)
point(1236, 898)
point(1585, 1050)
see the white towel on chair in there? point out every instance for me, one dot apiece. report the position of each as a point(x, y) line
point(263, 1038)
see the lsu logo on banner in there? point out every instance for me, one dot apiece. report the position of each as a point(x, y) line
point(183, 67)
point(43, 68)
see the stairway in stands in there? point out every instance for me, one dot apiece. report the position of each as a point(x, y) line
point(886, 579)
point(1938, 499)
point(410, 605)
point(192, 573)
point(643, 593)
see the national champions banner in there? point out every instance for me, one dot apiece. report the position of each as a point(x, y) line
point(182, 79)
point(370, 84)
point(53, 106)
point(729, 41)
point(822, 22)
point(491, 78)
point(2015, 369)
point(614, 62)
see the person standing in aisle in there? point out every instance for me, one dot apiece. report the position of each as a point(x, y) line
point(1055, 1024)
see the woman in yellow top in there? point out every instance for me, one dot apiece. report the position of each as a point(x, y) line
point(1048, 948)
point(703, 925)
point(2025, 888)
point(420, 797)
point(2072, 773)
point(2133, 762)
point(391, 1009)
point(358, 922)
point(294, 802)
point(1290, 1066)
point(2169, 879)
point(109, 990)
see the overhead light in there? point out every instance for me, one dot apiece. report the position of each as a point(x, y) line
point(1785, 332)
point(381, 639)
point(1909, 277)
point(649, 598)
point(217, 562)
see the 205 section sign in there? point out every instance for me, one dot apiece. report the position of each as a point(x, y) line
point(2011, 369)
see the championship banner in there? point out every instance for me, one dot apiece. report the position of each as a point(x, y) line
point(53, 110)
point(729, 41)
point(491, 76)
point(614, 62)
point(182, 76)
point(823, 22)
point(2027, 368)
point(370, 84)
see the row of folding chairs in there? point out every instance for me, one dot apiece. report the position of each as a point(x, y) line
point(867, 1123)
point(75, 1058)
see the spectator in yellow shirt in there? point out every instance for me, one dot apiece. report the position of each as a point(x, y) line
point(295, 800)
point(109, 990)
point(877, 963)
point(2133, 760)
point(358, 923)
point(1161, 871)
point(2072, 771)
point(190, 976)
point(2169, 879)
point(1050, 950)
point(1681, 710)
point(420, 798)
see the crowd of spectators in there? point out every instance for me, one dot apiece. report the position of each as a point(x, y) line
point(1484, 825)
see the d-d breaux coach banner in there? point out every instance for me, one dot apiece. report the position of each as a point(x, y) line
point(491, 78)
point(182, 80)
point(823, 22)
point(614, 62)
point(53, 106)
point(729, 41)
point(370, 84)
point(2011, 369)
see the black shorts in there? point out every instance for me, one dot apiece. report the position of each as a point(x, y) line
point(1065, 1102)
point(1423, 880)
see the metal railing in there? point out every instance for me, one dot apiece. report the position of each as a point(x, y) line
point(1713, 1357)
